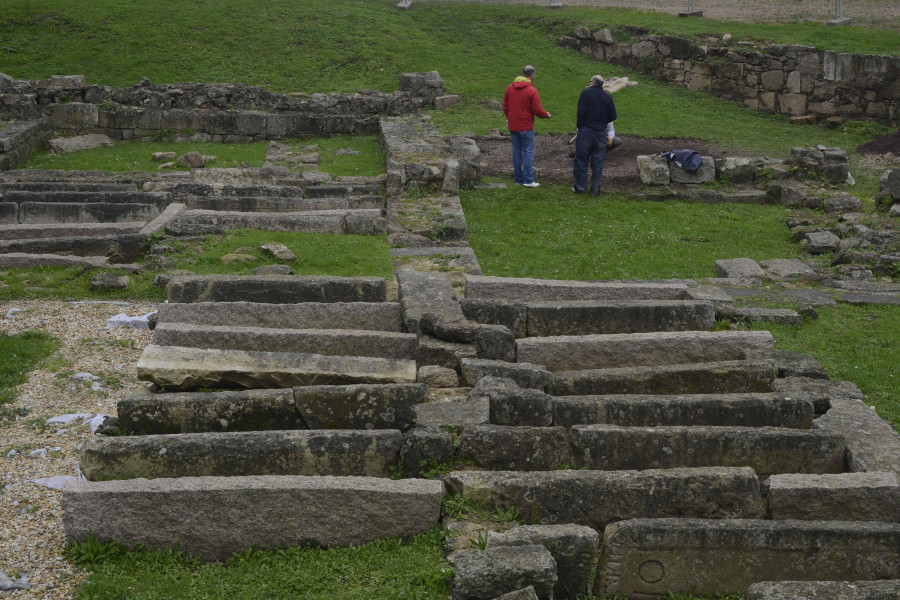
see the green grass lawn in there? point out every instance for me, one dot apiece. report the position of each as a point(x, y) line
point(19, 355)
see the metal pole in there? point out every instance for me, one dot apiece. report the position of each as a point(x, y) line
point(838, 13)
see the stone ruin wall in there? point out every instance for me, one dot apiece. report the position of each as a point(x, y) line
point(231, 113)
point(791, 80)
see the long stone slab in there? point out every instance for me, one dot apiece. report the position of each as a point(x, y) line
point(872, 443)
point(515, 448)
point(95, 212)
point(748, 410)
point(426, 292)
point(738, 376)
point(158, 199)
point(263, 204)
point(767, 450)
point(818, 391)
point(313, 452)
point(215, 517)
point(340, 191)
point(651, 557)
point(825, 590)
point(177, 368)
point(358, 222)
point(9, 213)
point(65, 186)
point(21, 260)
point(550, 290)
point(169, 213)
point(275, 289)
point(583, 352)
point(119, 248)
point(371, 316)
point(186, 189)
point(361, 406)
point(637, 316)
point(598, 498)
point(46, 230)
point(331, 342)
point(841, 497)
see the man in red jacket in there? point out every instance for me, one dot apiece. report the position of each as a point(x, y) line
point(520, 105)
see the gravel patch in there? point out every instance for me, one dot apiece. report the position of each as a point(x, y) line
point(30, 514)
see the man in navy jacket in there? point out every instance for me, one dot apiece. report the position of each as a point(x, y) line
point(596, 111)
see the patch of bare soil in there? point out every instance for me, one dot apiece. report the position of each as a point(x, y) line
point(553, 157)
point(883, 145)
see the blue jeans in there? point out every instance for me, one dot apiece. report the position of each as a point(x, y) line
point(590, 145)
point(523, 155)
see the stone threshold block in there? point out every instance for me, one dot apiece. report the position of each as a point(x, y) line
point(216, 517)
point(767, 450)
point(735, 410)
point(727, 377)
point(424, 292)
point(23, 260)
point(49, 230)
point(564, 318)
point(825, 590)
point(492, 572)
point(370, 316)
point(583, 352)
point(314, 452)
point(872, 443)
point(275, 289)
point(844, 497)
point(598, 498)
point(33, 213)
point(177, 368)
point(331, 342)
point(550, 290)
point(515, 448)
point(360, 406)
point(645, 558)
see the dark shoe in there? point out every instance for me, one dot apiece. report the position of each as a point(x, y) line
point(576, 190)
point(596, 191)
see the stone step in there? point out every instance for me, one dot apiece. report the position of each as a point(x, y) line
point(551, 290)
point(583, 352)
point(216, 517)
point(341, 191)
point(93, 212)
point(311, 452)
point(373, 316)
point(767, 450)
point(263, 204)
point(20, 260)
point(748, 410)
point(124, 248)
point(66, 176)
point(825, 590)
point(424, 292)
point(654, 557)
point(873, 496)
point(275, 289)
point(177, 368)
point(186, 189)
point(363, 406)
point(158, 199)
point(500, 447)
point(65, 186)
point(598, 498)
point(331, 342)
point(725, 377)
point(9, 213)
point(358, 222)
point(542, 319)
point(52, 230)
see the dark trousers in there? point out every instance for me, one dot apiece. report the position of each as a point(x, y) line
point(590, 146)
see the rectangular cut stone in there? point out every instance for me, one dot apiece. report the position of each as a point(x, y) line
point(172, 211)
point(426, 292)
point(362, 406)
point(177, 368)
point(196, 222)
point(21, 260)
point(767, 450)
point(158, 199)
point(645, 558)
point(598, 498)
point(584, 352)
point(215, 517)
point(818, 391)
point(872, 443)
point(458, 415)
point(371, 316)
point(198, 412)
point(700, 378)
point(331, 342)
point(515, 448)
point(550, 290)
point(9, 213)
point(262, 204)
point(333, 452)
point(275, 289)
point(94, 212)
point(121, 248)
point(432, 351)
point(636, 316)
point(843, 497)
point(825, 590)
point(47, 230)
point(524, 374)
point(747, 410)
point(512, 315)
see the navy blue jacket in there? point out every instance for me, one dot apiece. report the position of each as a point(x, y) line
point(595, 109)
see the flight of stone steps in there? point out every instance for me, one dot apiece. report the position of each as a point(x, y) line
point(631, 438)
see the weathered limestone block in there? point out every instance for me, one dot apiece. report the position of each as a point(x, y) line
point(74, 116)
point(215, 517)
point(706, 173)
point(21, 260)
point(818, 391)
point(515, 448)
point(423, 447)
point(486, 574)
point(426, 292)
point(552, 290)
point(180, 368)
point(767, 449)
point(172, 211)
point(574, 548)
point(277, 289)
point(513, 405)
point(65, 145)
point(512, 315)
point(653, 557)
point(784, 316)
point(872, 444)
point(821, 242)
point(598, 498)
point(737, 169)
point(77, 212)
point(458, 415)
point(523, 374)
point(718, 410)
point(797, 364)
point(360, 406)
point(437, 377)
point(432, 351)
point(843, 497)
point(788, 268)
point(9, 213)
point(738, 267)
point(825, 590)
point(653, 170)
point(575, 353)
point(636, 316)
point(497, 342)
point(331, 452)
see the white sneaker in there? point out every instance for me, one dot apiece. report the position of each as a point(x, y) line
point(532, 184)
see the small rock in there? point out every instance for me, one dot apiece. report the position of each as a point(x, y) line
point(12, 453)
point(103, 424)
point(346, 152)
point(726, 38)
point(39, 453)
point(165, 165)
point(437, 377)
point(108, 281)
point(230, 259)
point(163, 156)
point(71, 417)
point(279, 251)
point(57, 482)
point(9, 584)
point(12, 311)
point(193, 160)
point(273, 270)
point(208, 158)
point(123, 320)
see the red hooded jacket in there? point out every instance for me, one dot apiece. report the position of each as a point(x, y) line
point(520, 105)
